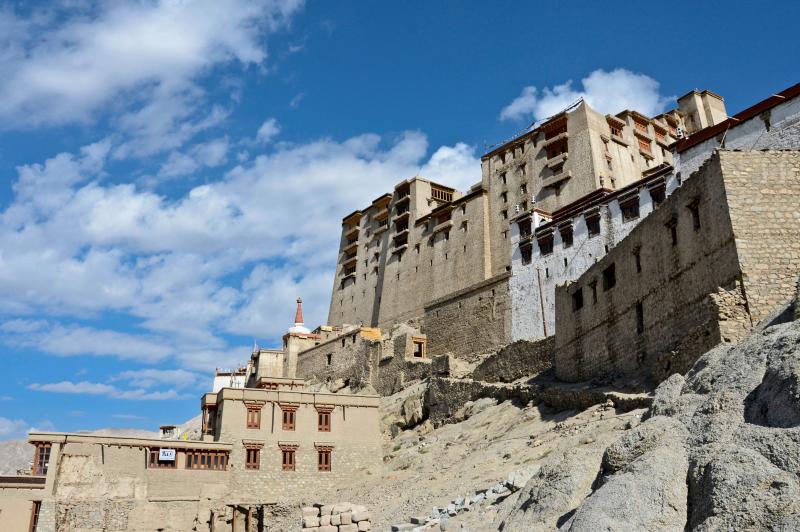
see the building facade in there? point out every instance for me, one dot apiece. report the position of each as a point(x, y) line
point(719, 255)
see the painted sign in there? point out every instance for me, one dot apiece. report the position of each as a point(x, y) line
point(166, 455)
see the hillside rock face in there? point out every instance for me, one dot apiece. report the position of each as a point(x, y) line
point(719, 449)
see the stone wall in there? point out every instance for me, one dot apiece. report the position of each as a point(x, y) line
point(519, 359)
point(655, 319)
point(763, 192)
point(470, 322)
point(340, 517)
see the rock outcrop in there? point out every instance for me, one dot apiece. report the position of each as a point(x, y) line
point(718, 449)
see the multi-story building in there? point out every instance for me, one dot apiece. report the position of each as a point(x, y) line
point(426, 253)
point(265, 438)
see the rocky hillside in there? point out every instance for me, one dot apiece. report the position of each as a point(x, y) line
point(719, 449)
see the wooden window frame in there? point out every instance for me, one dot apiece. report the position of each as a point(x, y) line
point(36, 509)
point(289, 417)
point(252, 457)
point(566, 235)
point(324, 458)
point(288, 456)
point(154, 463)
point(208, 460)
point(324, 418)
point(39, 465)
point(253, 418)
point(415, 341)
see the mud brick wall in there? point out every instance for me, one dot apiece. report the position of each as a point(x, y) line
point(470, 322)
point(685, 297)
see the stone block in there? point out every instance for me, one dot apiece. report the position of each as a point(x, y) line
point(358, 508)
point(328, 529)
point(341, 507)
point(326, 509)
point(360, 516)
point(417, 520)
point(347, 518)
point(364, 525)
point(325, 520)
point(310, 511)
point(352, 527)
point(312, 529)
point(336, 519)
point(402, 527)
point(310, 521)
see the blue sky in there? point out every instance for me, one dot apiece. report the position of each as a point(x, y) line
point(174, 173)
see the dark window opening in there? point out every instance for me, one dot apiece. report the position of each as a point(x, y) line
point(638, 260)
point(35, 510)
point(658, 195)
point(672, 225)
point(419, 348)
point(609, 278)
point(639, 318)
point(526, 252)
point(252, 458)
point(288, 418)
point(593, 225)
point(546, 244)
point(577, 300)
point(593, 286)
point(330, 358)
point(566, 236)
point(630, 209)
point(524, 227)
point(694, 208)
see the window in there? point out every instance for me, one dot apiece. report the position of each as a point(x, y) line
point(644, 146)
point(419, 347)
point(503, 178)
point(216, 460)
point(545, 244)
point(641, 127)
point(288, 416)
point(637, 260)
point(526, 252)
point(324, 458)
point(629, 208)
point(253, 415)
point(153, 461)
point(566, 235)
point(523, 169)
point(593, 287)
point(324, 420)
point(288, 457)
point(523, 189)
point(639, 318)
point(504, 215)
point(41, 459)
point(658, 194)
point(524, 227)
point(616, 130)
point(609, 278)
point(35, 509)
point(672, 225)
point(593, 225)
point(694, 208)
point(577, 300)
point(556, 149)
point(252, 457)
point(504, 197)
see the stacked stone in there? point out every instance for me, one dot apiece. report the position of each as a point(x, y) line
point(342, 517)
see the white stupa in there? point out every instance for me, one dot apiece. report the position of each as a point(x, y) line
point(298, 327)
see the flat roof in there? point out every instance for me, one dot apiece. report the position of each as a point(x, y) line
point(751, 112)
point(71, 437)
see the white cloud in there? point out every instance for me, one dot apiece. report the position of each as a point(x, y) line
point(148, 378)
point(75, 340)
point(607, 92)
point(173, 265)
point(96, 388)
point(64, 69)
point(268, 130)
point(208, 154)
